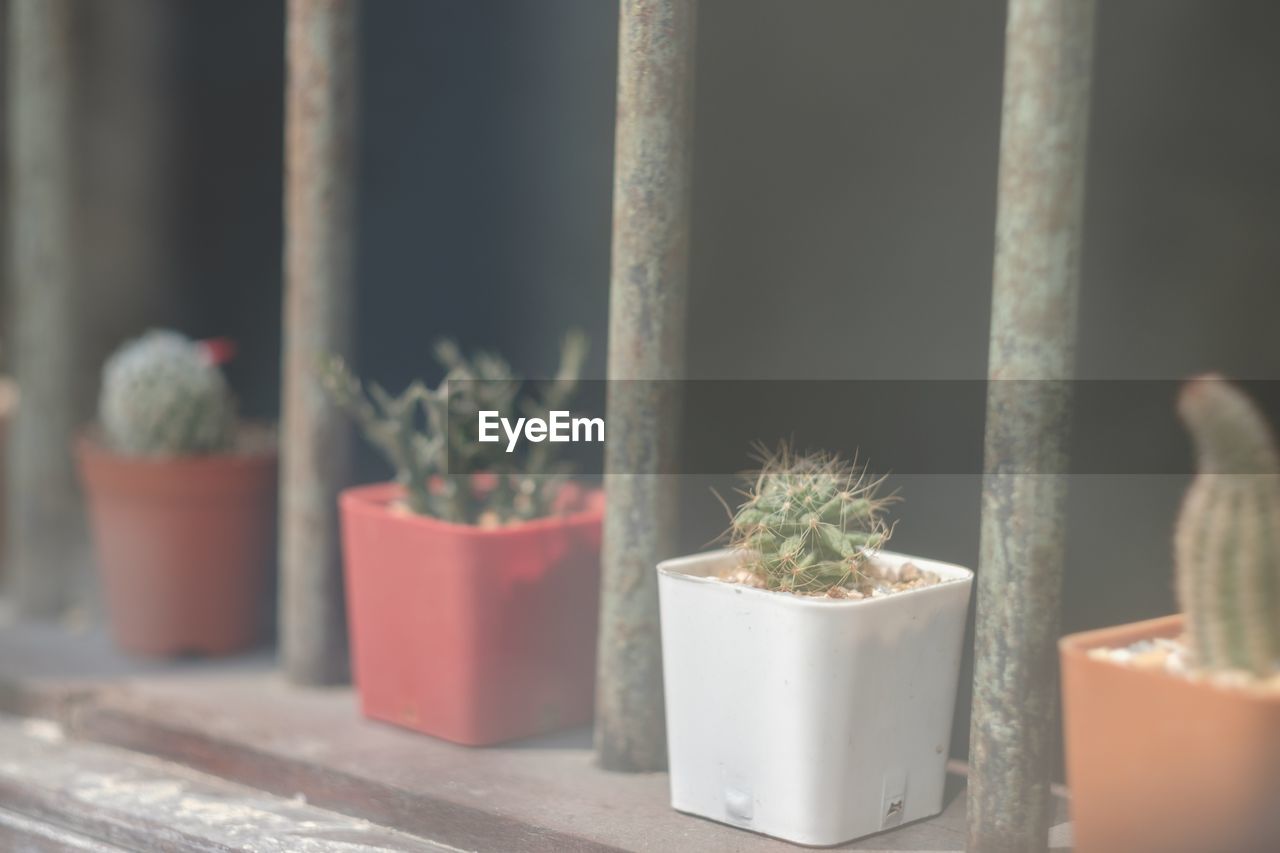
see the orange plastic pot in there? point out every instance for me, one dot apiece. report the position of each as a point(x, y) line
point(185, 546)
point(1158, 762)
point(472, 635)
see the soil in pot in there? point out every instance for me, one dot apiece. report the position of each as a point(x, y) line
point(878, 579)
point(1161, 758)
point(185, 544)
point(1171, 655)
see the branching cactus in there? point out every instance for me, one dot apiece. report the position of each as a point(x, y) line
point(1227, 543)
point(391, 425)
point(429, 435)
point(809, 523)
point(163, 393)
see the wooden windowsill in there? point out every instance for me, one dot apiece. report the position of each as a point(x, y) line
point(237, 719)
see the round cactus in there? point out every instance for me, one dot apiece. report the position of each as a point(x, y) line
point(162, 393)
point(1227, 543)
point(809, 523)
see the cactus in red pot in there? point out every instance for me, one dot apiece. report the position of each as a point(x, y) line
point(473, 580)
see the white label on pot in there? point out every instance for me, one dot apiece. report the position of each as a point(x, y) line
point(558, 427)
point(739, 801)
point(894, 799)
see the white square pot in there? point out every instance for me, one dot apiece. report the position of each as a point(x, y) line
point(814, 720)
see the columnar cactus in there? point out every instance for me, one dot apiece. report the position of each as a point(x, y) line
point(809, 523)
point(1227, 543)
point(163, 394)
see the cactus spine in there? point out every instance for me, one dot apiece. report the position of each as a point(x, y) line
point(1227, 542)
point(163, 394)
point(809, 523)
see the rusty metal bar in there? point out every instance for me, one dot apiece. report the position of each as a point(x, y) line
point(44, 507)
point(1044, 126)
point(647, 293)
point(127, 134)
point(320, 144)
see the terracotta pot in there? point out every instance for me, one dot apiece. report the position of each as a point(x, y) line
point(473, 635)
point(185, 546)
point(1158, 762)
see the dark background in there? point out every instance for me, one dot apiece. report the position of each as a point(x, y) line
point(844, 205)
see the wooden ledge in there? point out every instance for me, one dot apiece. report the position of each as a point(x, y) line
point(241, 722)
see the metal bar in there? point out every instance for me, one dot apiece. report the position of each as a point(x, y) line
point(43, 543)
point(1048, 54)
point(127, 133)
point(319, 242)
point(647, 293)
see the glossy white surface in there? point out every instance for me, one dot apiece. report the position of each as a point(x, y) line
point(810, 719)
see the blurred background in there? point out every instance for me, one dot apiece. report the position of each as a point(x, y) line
point(844, 207)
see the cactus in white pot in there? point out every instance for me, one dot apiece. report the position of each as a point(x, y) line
point(845, 655)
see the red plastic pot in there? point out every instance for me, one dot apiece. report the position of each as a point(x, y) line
point(473, 635)
point(185, 546)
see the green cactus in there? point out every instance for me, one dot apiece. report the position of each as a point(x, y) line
point(162, 393)
point(1227, 542)
point(391, 425)
point(809, 523)
point(429, 435)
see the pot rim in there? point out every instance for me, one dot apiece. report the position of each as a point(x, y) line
point(1077, 646)
point(88, 444)
point(952, 573)
point(374, 499)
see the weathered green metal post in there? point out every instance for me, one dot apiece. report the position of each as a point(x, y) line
point(320, 140)
point(1048, 54)
point(44, 507)
point(651, 193)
